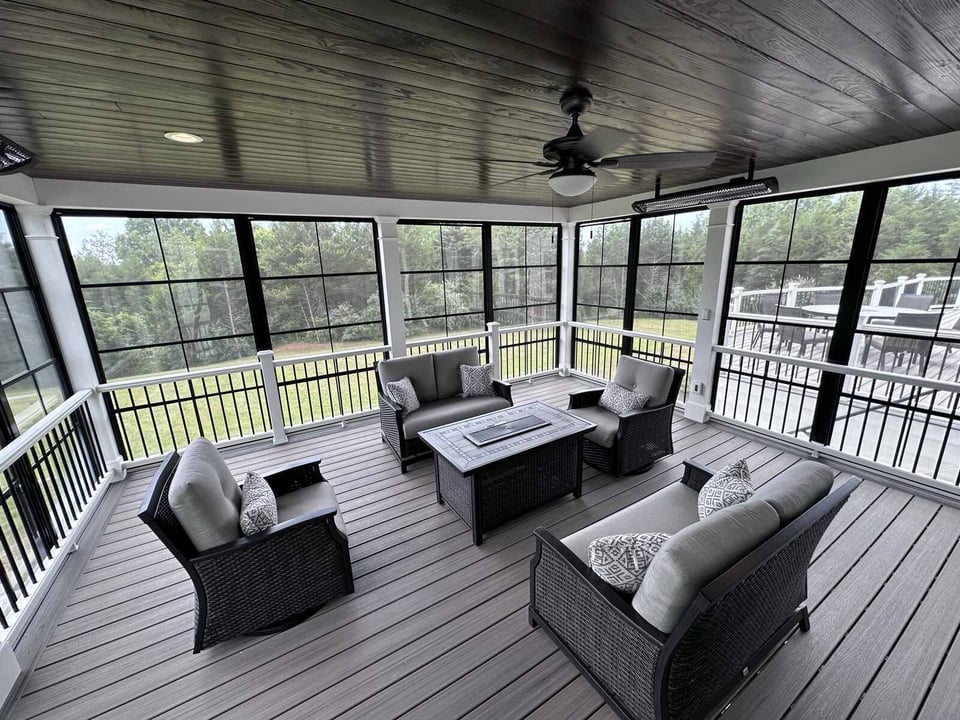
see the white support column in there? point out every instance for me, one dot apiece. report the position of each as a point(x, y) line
point(272, 392)
point(391, 285)
point(716, 257)
point(876, 293)
point(57, 293)
point(567, 250)
point(493, 348)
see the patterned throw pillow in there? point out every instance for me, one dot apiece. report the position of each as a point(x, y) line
point(258, 508)
point(621, 401)
point(476, 380)
point(729, 486)
point(402, 393)
point(622, 560)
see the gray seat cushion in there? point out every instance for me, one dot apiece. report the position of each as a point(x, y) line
point(605, 434)
point(441, 412)
point(797, 489)
point(307, 499)
point(446, 368)
point(204, 497)
point(668, 510)
point(699, 553)
point(419, 368)
point(647, 378)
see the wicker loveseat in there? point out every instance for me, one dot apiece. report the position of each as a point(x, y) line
point(259, 584)
point(656, 667)
point(622, 445)
point(436, 380)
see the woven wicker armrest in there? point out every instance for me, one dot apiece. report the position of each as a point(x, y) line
point(295, 476)
point(274, 538)
point(386, 402)
point(504, 390)
point(585, 398)
point(695, 475)
point(656, 420)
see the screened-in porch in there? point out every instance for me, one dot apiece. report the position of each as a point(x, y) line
point(346, 253)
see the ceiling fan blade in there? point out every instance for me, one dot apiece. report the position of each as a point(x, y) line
point(551, 171)
point(660, 161)
point(539, 163)
point(600, 142)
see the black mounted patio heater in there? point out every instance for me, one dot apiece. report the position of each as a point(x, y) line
point(736, 189)
point(13, 157)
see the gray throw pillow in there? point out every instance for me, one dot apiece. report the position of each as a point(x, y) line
point(622, 560)
point(476, 380)
point(402, 393)
point(620, 401)
point(258, 509)
point(728, 486)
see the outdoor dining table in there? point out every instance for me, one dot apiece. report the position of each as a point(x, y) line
point(867, 312)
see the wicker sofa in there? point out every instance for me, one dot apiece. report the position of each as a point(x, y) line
point(436, 380)
point(649, 669)
point(622, 445)
point(252, 585)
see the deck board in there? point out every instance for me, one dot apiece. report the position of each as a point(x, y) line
point(437, 627)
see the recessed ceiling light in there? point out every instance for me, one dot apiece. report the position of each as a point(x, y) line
point(183, 137)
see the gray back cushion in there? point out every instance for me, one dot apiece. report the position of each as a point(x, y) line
point(699, 553)
point(205, 497)
point(419, 368)
point(797, 489)
point(446, 367)
point(644, 377)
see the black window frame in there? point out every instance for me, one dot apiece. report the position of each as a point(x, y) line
point(9, 429)
point(487, 267)
point(243, 225)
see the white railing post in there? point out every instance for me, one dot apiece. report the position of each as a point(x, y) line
point(567, 300)
point(391, 285)
point(876, 294)
point(791, 299)
point(901, 286)
point(57, 291)
point(712, 290)
point(493, 347)
point(920, 278)
point(272, 391)
point(736, 299)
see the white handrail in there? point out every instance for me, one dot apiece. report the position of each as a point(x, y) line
point(20, 445)
point(635, 334)
point(535, 326)
point(320, 357)
point(823, 366)
point(176, 377)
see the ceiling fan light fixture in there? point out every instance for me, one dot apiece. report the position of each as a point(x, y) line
point(571, 183)
point(739, 189)
point(13, 157)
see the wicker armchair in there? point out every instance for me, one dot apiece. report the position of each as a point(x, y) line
point(623, 445)
point(267, 582)
point(436, 380)
point(734, 622)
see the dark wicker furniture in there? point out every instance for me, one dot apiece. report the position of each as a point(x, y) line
point(262, 583)
point(732, 625)
point(410, 449)
point(641, 438)
point(487, 486)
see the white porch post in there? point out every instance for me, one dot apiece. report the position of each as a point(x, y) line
point(716, 256)
point(493, 347)
point(272, 392)
point(568, 250)
point(391, 285)
point(54, 279)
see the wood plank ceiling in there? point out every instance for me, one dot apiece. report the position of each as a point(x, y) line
point(379, 98)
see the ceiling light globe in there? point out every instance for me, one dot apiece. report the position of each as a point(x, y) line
point(572, 183)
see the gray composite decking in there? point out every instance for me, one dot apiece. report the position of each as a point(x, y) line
point(437, 627)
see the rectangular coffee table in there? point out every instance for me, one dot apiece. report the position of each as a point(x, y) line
point(487, 485)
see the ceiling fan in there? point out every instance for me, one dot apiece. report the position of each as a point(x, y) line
point(574, 160)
